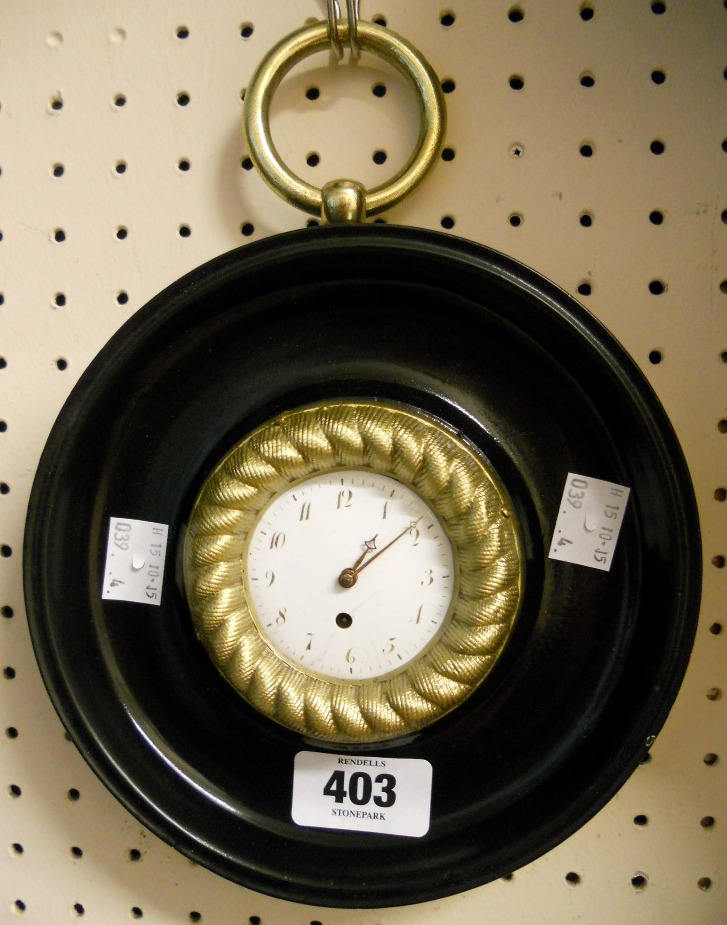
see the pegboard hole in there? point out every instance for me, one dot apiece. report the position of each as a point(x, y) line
point(254, 920)
point(711, 759)
point(707, 822)
point(704, 883)
point(59, 235)
point(447, 222)
point(379, 90)
point(716, 629)
point(6, 551)
point(120, 167)
point(7, 612)
point(61, 364)
point(515, 14)
point(56, 103)
point(122, 297)
point(19, 906)
point(3, 363)
point(658, 7)
point(312, 93)
point(119, 100)
point(3, 427)
point(246, 163)
point(134, 855)
point(183, 164)
point(655, 357)
point(313, 159)
point(76, 852)
point(586, 150)
point(448, 154)
point(137, 912)
point(12, 732)
point(585, 288)
point(656, 217)
point(657, 287)
point(586, 219)
point(572, 878)
point(658, 77)
point(247, 229)
point(4, 488)
point(517, 82)
point(122, 232)
point(718, 561)
point(448, 85)
point(74, 795)
point(184, 231)
point(78, 910)
point(517, 150)
point(379, 20)
point(714, 693)
point(195, 916)
point(587, 79)
point(587, 12)
point(246, 30)
point(447, 18)
point(516, 219)
point(639, 881)
point(723, 356)
point(722, 426)
point(657, 147)
point(182, 32)
point(9, 673)
point(720, 494)
point(641, 819)
point(183, 99)
point(379, 157)
point(58, 170)
point(14, 791)
point(16, 848)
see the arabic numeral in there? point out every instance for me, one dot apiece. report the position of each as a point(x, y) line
point(576, 491)
point(277, 540)
point(305, 511)
point(122, 535)
point(345, 499)
point(336, 787)
point(361, 788)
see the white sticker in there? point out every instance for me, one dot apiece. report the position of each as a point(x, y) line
point(589, 521)
point(391, 796)
point(135, 555)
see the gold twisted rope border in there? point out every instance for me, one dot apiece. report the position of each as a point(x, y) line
point(463, 492)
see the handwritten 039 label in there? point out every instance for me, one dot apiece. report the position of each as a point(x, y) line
point(391, 796)
point(135, 555)
point(589, 521)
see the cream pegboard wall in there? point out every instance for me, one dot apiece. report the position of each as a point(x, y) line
point(588, 140)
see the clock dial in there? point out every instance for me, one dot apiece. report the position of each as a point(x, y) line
point(350, 574)
point(353, 569)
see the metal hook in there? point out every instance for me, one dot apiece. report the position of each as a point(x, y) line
point(334, 23)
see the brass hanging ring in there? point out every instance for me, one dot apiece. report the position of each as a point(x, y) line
point(375, 40)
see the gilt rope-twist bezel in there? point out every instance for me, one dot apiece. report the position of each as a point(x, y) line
point(462, 490)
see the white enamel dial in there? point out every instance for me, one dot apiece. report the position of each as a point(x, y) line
point(349, 575)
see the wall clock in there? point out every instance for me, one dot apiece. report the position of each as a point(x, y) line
point(316, 425)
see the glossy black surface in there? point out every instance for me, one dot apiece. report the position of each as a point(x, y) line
point(520, 369)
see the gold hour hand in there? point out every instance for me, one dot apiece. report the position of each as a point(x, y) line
point(349, 576)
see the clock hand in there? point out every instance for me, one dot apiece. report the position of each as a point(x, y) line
point(349, 576)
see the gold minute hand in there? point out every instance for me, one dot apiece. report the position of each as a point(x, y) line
point(349, 576)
